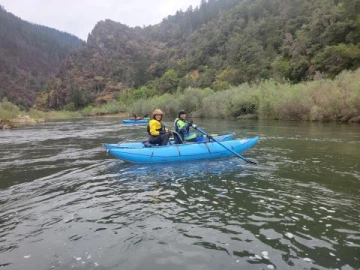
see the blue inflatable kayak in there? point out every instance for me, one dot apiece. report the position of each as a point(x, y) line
point(135, 122)
point(137, 152)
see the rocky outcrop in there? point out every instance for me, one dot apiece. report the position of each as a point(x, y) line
point(114, 58)
point(20, 120)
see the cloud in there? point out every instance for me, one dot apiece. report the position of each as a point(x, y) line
point(79, 17)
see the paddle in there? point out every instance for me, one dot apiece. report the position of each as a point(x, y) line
point(227, 148)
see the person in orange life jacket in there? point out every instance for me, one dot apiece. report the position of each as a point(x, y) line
point(156, 129)
point(182, 127)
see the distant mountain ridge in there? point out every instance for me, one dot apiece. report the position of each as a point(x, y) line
point(219, 44)
point(216, 45)
point(29, 55)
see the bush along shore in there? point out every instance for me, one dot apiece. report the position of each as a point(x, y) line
point(320, 100)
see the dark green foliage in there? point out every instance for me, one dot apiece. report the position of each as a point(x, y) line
point(334, 59)
point(141, 67)
point(168, 82)
point(250, 37)
point(78, 98)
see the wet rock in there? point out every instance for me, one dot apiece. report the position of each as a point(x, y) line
point(6, 124)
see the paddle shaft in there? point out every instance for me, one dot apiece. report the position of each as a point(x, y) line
point(227, 148)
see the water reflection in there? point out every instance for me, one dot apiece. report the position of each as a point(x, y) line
point(176, 171)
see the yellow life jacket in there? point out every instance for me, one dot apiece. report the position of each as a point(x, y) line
point(154, 127)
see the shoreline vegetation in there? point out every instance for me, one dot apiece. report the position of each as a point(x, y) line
point(319, 100)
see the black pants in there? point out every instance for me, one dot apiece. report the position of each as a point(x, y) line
point(160, 139)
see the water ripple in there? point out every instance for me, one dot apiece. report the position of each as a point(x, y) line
point(66, 204)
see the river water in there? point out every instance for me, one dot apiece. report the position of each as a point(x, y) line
point(66, 204)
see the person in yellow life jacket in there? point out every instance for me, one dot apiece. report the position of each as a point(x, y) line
point(158, 133)
point(182, 127)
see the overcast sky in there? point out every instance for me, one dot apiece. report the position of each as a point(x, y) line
point(79, 17)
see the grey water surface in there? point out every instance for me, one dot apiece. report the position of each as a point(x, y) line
point(66, 204)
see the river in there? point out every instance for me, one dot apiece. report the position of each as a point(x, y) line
point(66, 204)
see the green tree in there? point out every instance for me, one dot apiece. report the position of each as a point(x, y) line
point(334, 59)
point(169, 81)
point(281, 68)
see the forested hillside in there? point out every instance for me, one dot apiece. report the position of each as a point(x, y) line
point(216, 45)
point(29, 55)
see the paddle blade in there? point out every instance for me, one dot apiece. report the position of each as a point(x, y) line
point(251, 161)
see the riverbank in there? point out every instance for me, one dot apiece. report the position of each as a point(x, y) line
point(22, 120)
point(41, 117)
point(115, 115)
point(322, 100)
